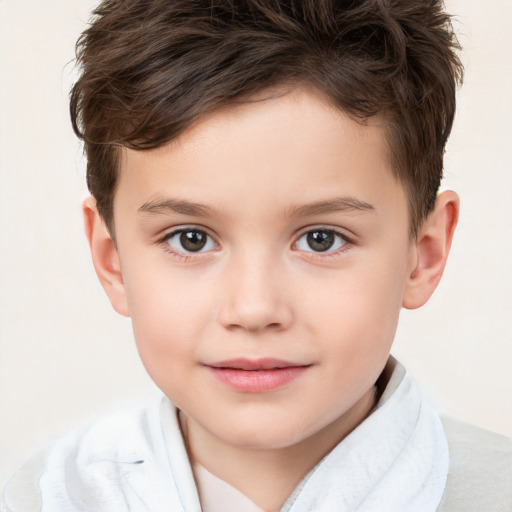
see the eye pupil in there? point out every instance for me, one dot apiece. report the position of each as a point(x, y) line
point(320, 240)
point(193, 241)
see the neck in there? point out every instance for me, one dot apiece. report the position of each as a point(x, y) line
point(269, 476)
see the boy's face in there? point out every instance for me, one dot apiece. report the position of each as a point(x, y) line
point(264, 258)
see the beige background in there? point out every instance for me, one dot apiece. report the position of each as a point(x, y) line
point(65, 355)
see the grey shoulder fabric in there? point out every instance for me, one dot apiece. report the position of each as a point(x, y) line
point(21, 493)
point(480, 472)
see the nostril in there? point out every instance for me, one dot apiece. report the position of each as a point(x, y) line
point(255, 311)
point(255, 327)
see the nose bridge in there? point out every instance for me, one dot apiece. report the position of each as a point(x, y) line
point(255, 297)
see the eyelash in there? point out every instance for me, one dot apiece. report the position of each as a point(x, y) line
point(184, 255)
point(347, 243)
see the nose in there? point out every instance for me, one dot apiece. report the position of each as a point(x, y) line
point(255, 296)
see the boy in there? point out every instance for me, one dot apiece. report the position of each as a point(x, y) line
point(264, 178)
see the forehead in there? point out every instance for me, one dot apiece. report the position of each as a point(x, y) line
point(287, 149)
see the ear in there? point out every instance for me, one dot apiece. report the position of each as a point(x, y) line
point(105, 257)
point(430, 250)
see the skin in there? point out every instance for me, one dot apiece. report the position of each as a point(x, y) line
point(257, 289)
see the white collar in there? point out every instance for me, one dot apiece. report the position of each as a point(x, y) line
point(395, 461)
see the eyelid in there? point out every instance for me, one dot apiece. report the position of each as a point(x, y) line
point(345, 233)
point(175, 230)
point(170, 231)
point(348, 238)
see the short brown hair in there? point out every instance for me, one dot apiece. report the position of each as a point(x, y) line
point(151, 68)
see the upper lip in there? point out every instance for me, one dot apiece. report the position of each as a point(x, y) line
point(255, 364)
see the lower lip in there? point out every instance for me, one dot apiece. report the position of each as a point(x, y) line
point(258, 381)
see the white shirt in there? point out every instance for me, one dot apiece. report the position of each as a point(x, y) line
point(136, 461)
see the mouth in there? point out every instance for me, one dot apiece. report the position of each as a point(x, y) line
point(257, 375)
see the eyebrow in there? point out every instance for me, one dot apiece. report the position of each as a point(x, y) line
point(162, 206)
point(180, 207)
point(338, 204)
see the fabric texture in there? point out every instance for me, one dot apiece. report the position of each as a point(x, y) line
point(396, 460)
point(480, 474)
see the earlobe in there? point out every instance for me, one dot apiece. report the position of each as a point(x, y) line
point(430, 250)
point(105, 257)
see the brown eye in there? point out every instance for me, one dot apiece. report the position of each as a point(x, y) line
point(193, 241)
point(321, 240)
point(190, 240)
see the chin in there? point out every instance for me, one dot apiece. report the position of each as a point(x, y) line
point(269, 435)
point(264, 441)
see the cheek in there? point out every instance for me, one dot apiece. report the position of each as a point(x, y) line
point(360, 309)
point(168, 316)
point(354, 333)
